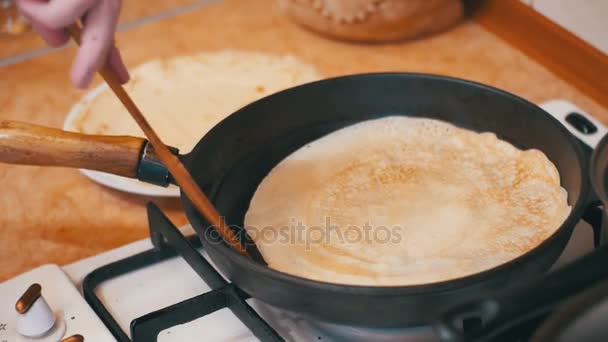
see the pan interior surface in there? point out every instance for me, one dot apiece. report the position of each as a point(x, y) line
point(232, 160)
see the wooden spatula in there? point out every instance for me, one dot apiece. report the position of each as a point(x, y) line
point(174, 165)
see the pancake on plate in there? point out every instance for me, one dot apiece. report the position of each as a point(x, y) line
point(404, 201)
point(184, 97)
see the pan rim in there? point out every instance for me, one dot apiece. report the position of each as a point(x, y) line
point(596, 175)
point(578, 207)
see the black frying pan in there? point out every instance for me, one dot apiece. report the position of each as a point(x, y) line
point(231, 160)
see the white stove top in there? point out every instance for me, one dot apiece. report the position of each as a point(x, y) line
point(140, 292)
point(127, 297)
point(146, 290)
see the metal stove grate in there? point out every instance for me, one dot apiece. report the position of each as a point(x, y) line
point(168, 243)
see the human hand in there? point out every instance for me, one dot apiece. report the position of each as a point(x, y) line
point(99, 17)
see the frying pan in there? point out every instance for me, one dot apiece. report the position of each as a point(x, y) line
point(232, 158)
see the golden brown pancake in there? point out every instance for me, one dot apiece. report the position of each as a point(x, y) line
point(404, 201)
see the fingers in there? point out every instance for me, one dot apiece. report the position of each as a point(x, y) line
point(96, 41)
point(49, 19)
point(52, 37)
point(118, 65)
point(55, 14)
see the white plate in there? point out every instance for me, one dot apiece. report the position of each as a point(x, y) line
point(125, 184)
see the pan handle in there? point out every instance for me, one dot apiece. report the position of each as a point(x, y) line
point(581, 124)
point(28, 144)
point(507, 309)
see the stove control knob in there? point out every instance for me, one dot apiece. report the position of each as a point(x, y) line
point(73, 338)
point(35, 317)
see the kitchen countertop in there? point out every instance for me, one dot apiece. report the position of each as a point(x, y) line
point(56, 215)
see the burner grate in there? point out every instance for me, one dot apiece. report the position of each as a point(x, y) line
point(168, 243)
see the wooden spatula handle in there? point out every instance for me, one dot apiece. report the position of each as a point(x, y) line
point(180, 174)
point(23, 143)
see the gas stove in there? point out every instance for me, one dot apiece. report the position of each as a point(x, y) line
point(166, 289)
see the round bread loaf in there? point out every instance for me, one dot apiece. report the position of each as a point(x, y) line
point(374, 20)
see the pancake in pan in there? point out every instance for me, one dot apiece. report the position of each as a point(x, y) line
point(404, 201)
